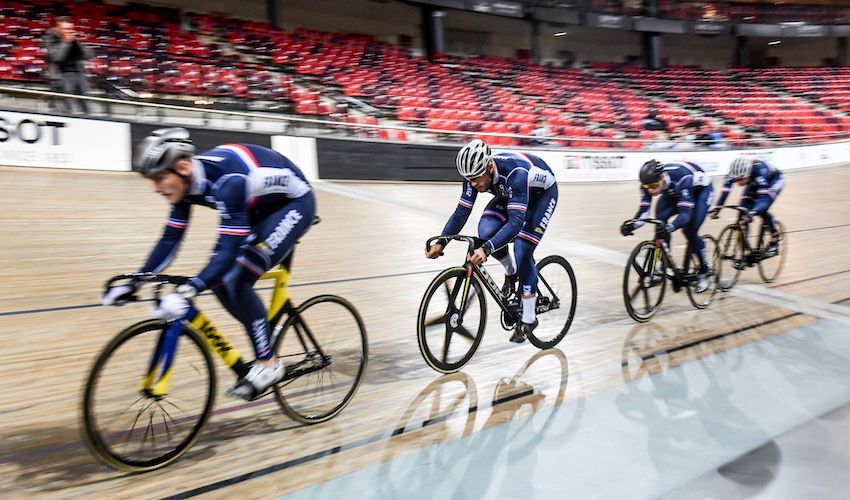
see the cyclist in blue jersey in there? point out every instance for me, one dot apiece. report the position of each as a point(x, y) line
point(265, 204)
point(763, 183)
point(525, 195)
point(685, 190)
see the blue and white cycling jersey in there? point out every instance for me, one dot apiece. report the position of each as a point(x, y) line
point(765, 183)
point(687, 181)
point(520, 179)
point(245, 183)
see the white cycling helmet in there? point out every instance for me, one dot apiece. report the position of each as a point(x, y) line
point(160, 150)
point(741, 167)
point(473, 158)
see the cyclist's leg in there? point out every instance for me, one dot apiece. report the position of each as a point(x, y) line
point(536, 221)
point(691, 229)
point(275, 237)
point(763, 200)
point(665, 208)
point(495, 216)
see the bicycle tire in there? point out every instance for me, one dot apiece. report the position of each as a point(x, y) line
point(296, 399)
point(645, 266)
point(704, 299)
point(768, 275)
point(97, 439)
point(422, 323)
point(544, 290)
point(731, 247)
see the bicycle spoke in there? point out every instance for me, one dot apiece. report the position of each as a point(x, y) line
point(167, 430)
point(465, 333)
point(136, 420)
point(646, 299)
point(640, 272)
point(173, 420)
point(152, 433)
point(634, 293)
point(447, 343)
point(436, 321)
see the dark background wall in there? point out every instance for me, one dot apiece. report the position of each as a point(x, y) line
point(360, 160)
point(205, 139)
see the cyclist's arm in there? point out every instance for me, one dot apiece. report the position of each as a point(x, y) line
point(166, 249)
point(685, 204)
point(643, 210)
point(461, 214)
point(517, 207)
point(724, 192)
point(234, 227)
point(765, 192)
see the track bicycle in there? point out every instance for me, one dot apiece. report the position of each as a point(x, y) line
point(453, 312)
point(650, 267)
point(145, 404)
point(738, 252)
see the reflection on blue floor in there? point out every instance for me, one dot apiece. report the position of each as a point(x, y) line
point(639, 440)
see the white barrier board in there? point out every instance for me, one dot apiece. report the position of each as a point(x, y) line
point(573, 166)
point(302, 152)
point(32, 140)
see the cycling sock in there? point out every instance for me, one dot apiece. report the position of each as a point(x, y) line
point(508, 262)
point(528, 312)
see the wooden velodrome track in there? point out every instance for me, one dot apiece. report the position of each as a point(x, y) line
point(65, 232)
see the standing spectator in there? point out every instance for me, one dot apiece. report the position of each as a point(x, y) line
point(66, 58)
point(540, 133)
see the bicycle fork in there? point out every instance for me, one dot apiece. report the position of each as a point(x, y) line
point(457, 317)
point(158, 377)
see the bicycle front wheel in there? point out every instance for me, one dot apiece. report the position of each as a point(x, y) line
point(730, 245)
point(703, 299)
point(556, 301)
point(771, 265)
point(131, 429)
point(644, 281)
point(449, 332)
point(325, 350)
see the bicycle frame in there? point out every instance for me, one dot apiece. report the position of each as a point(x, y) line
point(158, 377)
point(743, 233)
point(480, 272)
point(661, 252)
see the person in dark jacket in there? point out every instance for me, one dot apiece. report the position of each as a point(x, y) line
point(66, 58)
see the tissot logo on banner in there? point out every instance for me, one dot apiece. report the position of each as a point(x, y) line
point(29, 140)
point(595, 162)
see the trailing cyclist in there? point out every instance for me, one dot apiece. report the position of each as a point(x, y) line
point(265, 204)
point(525, 195)
point(685, 190)
point(763, 183)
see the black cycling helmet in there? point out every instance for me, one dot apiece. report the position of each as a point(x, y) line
point(651, 172)
point(160, 150)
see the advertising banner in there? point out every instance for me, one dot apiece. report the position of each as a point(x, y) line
point(573, 166)
point(31, 140)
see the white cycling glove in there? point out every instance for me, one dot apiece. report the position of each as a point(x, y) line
point(174, 305)
point(117, 295)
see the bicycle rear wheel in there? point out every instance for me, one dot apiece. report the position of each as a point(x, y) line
point(325, 350)
point(771, 266)
point(132, 430)
point(644, 282)
point(730, 245)
point(556, 301)
point(446, 341)
point(701, 300)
